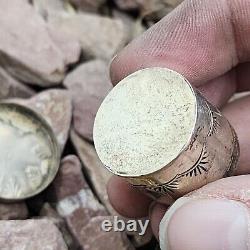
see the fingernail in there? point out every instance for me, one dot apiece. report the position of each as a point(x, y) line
point(109, 67)
point(113, 58)
point(207, 224)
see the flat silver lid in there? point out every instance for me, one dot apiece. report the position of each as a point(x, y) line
point(29, 153)
point(145, 122)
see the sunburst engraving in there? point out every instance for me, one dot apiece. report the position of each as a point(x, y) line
point(198, 168)
point(200, 164)
point(215, 122)
point(168, 187)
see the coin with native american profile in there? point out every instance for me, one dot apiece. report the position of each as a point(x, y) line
point(29, 152)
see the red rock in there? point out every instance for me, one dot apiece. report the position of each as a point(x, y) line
point(26, 45)
point(88, 85)
point(141, 240)
point(13, 211)
point(70, 48)
point(100, 37)
point(128, 4)
point(80, 218)
point(56, 108)
point(48, 212)
point(10, 87)
point(72, 194)
point(83, 202)
point(97, 173)
point(48, 7)
point(172, 3)
point(92, 236)
point(88, 5)
point(69, 179)
point(30, 234)
point(76, 203)
point(134, 27)
point(99, 177)
point(146, 6)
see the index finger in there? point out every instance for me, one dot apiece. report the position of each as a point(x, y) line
point(201, 39)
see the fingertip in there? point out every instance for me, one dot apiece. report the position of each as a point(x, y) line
point(123, 64)
point(127, 200)
point(156, 214)
point(196, 223)
point(136, 56)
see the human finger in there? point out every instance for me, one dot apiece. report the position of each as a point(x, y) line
point(217, 216)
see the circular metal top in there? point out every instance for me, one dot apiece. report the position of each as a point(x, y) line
point(145, 122)
point(29, 153)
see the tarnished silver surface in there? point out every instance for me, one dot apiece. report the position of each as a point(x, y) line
point(197, 142)
point(212, 153)
point(29, 153)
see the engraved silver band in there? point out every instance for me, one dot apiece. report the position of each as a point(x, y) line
point(212, 153)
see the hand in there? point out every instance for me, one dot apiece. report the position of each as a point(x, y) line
point(208, 42)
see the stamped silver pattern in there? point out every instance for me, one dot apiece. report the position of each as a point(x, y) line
point(29, 154)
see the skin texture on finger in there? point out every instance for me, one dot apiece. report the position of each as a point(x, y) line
point(243, 77)
point(127, 200)
point(238, 114)
point(201, 39)
point(219, 90)
point(226, 218)
point(156, 214)
point(208, 213)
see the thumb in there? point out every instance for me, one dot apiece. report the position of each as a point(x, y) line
point(214, 217)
